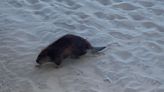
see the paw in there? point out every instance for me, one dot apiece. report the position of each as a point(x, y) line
point(75, 57)
point(38, 66)
point(58, 66)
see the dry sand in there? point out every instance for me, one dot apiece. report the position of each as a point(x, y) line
point(134, 64)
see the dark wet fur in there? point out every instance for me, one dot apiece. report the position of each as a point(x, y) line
point(67, 46)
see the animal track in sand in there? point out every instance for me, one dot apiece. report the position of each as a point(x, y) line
point(126, 6)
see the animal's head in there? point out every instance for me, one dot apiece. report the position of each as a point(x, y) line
point(42, 57)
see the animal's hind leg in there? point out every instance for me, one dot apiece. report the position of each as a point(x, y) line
point(77, 53)
point(56, 61)
point(75, 56)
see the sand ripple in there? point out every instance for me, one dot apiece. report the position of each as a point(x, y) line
point(132, 30)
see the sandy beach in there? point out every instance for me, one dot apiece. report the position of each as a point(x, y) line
point(132, 30)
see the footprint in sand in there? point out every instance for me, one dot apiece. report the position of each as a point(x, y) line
point(126, 6)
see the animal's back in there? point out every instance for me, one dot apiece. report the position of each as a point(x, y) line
point(70, 39)
point(79, 41)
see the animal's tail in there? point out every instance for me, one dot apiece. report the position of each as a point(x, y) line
point(97, 49)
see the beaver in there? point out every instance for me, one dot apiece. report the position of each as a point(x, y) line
point(68, 45)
